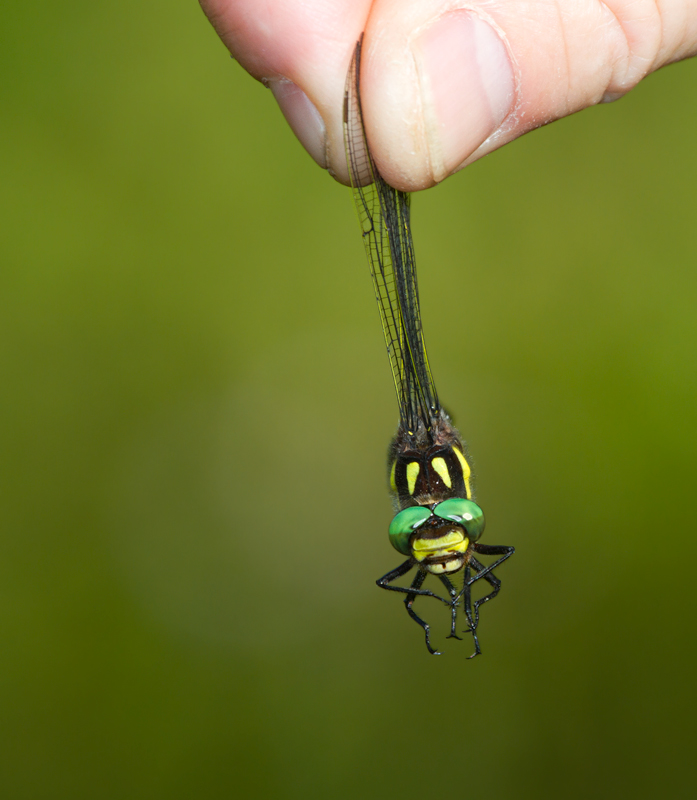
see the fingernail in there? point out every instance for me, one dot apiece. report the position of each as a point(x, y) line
point(303, 118)
point(467, 88)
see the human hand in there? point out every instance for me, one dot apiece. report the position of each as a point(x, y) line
point(445, 82)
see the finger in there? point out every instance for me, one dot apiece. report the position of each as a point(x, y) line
point(301, 51)
point(445, 81)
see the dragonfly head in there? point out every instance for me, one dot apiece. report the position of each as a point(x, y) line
point(438, 536)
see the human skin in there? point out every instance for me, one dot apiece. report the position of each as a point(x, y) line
point(445, 82)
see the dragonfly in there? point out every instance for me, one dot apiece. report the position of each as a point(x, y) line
point(437, 525)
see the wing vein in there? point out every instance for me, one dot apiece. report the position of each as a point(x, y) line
point(384, 216)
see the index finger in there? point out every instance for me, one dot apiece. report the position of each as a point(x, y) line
point(301, 51)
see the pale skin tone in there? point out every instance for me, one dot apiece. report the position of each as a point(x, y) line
point(445, 82)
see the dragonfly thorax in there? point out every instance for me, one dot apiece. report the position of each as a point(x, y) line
point(429, 476)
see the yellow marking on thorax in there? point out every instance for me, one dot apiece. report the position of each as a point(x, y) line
point(393, 482)
point(466, 471)
point(442, 469)
point(412, 474)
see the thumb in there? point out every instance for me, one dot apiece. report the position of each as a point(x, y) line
point(445, 82)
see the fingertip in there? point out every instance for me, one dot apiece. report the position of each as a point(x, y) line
point(303, 117)
point(301, 51)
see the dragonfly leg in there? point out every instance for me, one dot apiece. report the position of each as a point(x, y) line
point(409, 601)
point(467, 593)
point(491, 579)
point(386, 581)
point(494, 550)
point(452, 591)
point(484, 572)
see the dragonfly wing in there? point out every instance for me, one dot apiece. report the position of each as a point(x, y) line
point(383, 213)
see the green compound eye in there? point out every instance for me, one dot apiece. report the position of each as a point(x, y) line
point(404, 524)
point(465, 513)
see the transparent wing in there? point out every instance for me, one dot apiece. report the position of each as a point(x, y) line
point(383, 213)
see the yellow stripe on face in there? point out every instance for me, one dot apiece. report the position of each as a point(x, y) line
point(442, 469)
point(466, 471)
point(412, 474)
point(452, 542)
point(393, 482)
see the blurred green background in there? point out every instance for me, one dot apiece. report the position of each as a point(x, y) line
point(196, 408)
